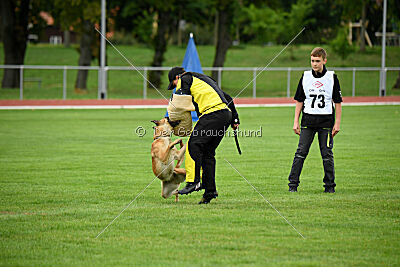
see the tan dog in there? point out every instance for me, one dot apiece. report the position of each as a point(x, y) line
point(163, 152)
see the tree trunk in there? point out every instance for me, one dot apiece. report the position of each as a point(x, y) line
point(397, 84)
point(216, 28)
point(363, 19)
point(14, 20)
point(237, 34)
point(224, 41)
point(180, 29)
point(67, 38)
point(85, 57)
point(160, 46)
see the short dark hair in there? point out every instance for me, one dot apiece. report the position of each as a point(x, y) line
point(172, 75)
point(319, 52)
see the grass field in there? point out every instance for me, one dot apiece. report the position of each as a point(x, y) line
point(65, 174)
point(129, 84)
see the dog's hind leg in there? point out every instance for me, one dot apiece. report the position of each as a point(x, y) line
point(178, 177)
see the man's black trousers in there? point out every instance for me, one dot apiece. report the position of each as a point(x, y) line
point(205, 138)
point(325, 145)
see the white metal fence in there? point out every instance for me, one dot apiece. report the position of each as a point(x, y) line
point(144, 72)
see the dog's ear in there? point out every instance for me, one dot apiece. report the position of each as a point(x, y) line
point(174, 123)
point(156, 122)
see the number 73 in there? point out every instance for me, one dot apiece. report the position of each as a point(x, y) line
point(321, 103)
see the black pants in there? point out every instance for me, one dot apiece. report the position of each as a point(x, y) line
point(325, 146)
point(205, 138)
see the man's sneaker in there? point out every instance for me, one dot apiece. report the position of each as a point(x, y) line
point(329, 190)
point(292, 188)
point(207, 197)
point(190, 187)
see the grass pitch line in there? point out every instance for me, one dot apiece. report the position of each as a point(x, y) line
point(266, 200)
point(133, 200)
point(294, 38)
point(127, 60)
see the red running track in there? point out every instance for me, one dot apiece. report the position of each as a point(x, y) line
point(152, 102)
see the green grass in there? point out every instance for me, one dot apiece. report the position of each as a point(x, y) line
point(129, 84)
point(64, 175)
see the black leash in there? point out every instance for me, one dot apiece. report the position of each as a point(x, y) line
point(237, 142)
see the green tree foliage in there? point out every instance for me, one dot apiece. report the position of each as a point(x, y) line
point(394, 15)
point(295, 20)
point(73, 12)
point(340, 44)
point(321, 20)
point(356, 10)
point(138, 18)
point(155, 23)
point(394, 20)
point(263, 23)
point(351, 9)
point(135, 18)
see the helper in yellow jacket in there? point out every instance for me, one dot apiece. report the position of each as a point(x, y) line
point(216, 111)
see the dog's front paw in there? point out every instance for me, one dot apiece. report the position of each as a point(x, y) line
point(176, 195)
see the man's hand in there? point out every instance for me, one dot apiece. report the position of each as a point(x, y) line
point(297, 111)
point(335, 130)
point(235, 123)
point(296, 128)
point(338, 111)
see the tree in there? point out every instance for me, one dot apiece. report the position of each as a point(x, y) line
point(295, 20)
point(14, 20)
point(293, 23)
point(340, 45)
point(82, 16)
point(397, 83)
point(164, 26)
point(323, 19)
point(275, 25)
point(134, 18)
point(394, 17)
point(261, 23)
point(354, 10)
point(155, 23)
point(87, 52)
point(138, 18)
point(363, 25)
point(167, 19)
point(225, 13)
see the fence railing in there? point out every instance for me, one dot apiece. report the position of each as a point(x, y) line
point(144, 73)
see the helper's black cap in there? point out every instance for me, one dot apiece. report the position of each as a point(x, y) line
point(172, 75)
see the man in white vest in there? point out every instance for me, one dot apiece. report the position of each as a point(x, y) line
point(318, 90)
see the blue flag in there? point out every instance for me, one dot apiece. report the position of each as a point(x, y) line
point(191, 62)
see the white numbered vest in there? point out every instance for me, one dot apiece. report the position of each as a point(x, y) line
point(318, 93)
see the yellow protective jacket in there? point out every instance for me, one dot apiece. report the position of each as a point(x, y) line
point(207, 96)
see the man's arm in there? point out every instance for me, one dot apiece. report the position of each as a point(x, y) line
point(337, 98)
point(338, 111)
point(299, 97)
point(235, 116)
point(297, 111)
